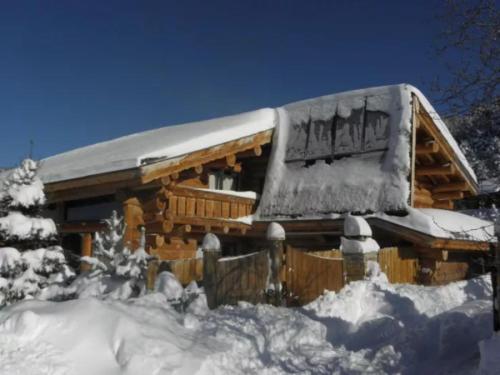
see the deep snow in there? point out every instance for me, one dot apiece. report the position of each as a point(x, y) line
point(369, 327)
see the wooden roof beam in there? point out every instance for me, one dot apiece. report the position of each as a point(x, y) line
point(449, 195)
point(435, 170)
point(452, 186)
point(431, 147)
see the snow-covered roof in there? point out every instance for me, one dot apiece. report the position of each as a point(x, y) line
point(443, 224)
point(347, 152)
point(154, 145)
point(376, 180)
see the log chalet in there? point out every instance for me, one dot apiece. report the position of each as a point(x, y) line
point(383, 153)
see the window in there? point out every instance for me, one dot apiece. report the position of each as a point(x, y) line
point(221, 180)
point(362, 131)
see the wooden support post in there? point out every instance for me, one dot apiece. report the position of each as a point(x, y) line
point(132, 216)
point(276, 237)
point(86, 250)
point(211, 254)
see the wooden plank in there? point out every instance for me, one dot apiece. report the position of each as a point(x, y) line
point(234, 210)
point(209, 208)
point(217, 209)
point(181, 206)
point(435, 170)
point(200, 207)
point(428, 148)
point(173, 205)
point(186, 191)
point(226, 210)
point(450, 195)
point(452, 186)
point(190, 206)
point(242, 210)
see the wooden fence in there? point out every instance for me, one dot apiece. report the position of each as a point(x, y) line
point(399, 264)
point(242, 278)
point(185, 270)
point(306, 275)
point(309, 274)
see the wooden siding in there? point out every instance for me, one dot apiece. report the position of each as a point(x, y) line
point(186, 270)
point(399, 264)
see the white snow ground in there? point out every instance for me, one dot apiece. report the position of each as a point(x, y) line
point(370, 327)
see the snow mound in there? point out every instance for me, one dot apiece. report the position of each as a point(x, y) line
point(369, 327)
point(167, 284)
point(98, 337)
point(427, 326)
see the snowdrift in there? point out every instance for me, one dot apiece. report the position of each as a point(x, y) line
point(369, 327)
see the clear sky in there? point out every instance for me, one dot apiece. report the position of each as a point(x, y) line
point(74, 73)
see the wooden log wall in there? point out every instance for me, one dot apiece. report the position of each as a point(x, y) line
point(435, 272)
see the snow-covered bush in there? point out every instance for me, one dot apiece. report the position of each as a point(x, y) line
point(116, 271)
point(30, 261)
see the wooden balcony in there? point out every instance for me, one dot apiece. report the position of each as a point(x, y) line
point(181, 210)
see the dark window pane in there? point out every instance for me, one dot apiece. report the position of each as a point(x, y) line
point(297, 139)
point(319, 145)
point(377, 130)
point(349, 133)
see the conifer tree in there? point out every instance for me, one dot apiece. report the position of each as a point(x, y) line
point(114, 259)
point(30, 260)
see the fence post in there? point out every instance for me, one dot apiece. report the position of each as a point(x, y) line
point(211, 254)
point(276, 237)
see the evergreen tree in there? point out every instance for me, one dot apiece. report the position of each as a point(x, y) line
point(113, 259)
point(30, 261)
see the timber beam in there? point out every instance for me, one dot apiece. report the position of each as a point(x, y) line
point(435, 170)
point(431, 147)
point(450, 195)
point(452, 186)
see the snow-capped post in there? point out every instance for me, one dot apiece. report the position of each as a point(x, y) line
point(276, 237)
point(357, 246)
point(211, 254)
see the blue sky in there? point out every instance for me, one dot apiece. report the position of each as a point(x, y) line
point(74, 73)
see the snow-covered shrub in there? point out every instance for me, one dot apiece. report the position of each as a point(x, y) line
point(30, 261)
point(116, 271)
